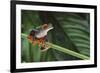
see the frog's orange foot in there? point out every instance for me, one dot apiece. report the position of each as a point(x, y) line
point(40, 42)
point(45, 48)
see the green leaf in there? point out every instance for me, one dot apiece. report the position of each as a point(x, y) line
point(36, 50)
point(25, 50)
point(78, 30)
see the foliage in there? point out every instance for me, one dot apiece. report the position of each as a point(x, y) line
point(71, 30)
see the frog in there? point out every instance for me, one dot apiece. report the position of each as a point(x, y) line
point(39, 36)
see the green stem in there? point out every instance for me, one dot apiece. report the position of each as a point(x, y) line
point(67, 51)
point(64, 50)
point(23, 35)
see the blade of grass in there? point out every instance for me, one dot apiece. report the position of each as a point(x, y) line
point(56, 47)
point(25, 50)
point(36, 53)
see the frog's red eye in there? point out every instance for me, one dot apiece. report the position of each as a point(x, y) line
point(45, 26)
point(32, 33)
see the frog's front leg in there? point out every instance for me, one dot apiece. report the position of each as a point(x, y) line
point(45, 47)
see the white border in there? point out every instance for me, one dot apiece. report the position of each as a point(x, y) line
point(20, 65)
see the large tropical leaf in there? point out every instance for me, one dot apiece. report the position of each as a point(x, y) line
point(77, 28)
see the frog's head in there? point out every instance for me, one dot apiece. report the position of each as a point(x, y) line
point(47, 27)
